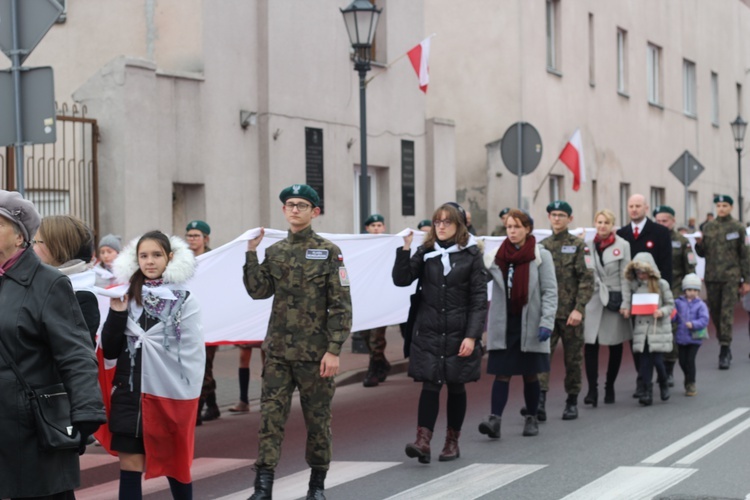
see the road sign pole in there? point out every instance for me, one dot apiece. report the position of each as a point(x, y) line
point(686, 163)
point(16, 70)
point(520, 160)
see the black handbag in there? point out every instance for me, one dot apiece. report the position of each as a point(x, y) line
point(50, 408)
point(615, 301)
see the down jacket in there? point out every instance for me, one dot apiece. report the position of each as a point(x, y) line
point(42, 327)
point(451, 308)
point(694, 311)
point(657, 331)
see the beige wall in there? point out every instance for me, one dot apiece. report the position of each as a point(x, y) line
point(487, 79)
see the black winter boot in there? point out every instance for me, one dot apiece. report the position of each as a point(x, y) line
point(491, 427)
point(592, 397)
point(664, 390)
point(212, 409)
point(648, 395)
point(571, 408)
point(725, 357)
point(317, 485)
point(531, 426)
point(639, 388)
point(669, 366)
point(371, 377)
point(609, 393)
point(541, 412)
point(263, 484)
point(384, 368)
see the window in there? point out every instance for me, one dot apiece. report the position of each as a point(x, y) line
point(50, 201)
point(553, 36)
point(622, 61)
point(556, 188)
point(739, 99)
point(714, 98)
point(692, 205)
point(592, 53)
point(378, 52)
point(624, 195)
point(653, 74)
point(594, 197)
point(657, 197)
point(688, 87)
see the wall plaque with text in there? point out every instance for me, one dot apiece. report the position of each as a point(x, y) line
point(407, 178)
point(314, 162)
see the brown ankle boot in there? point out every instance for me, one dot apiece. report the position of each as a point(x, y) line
point(450, 450)
point(420, 449)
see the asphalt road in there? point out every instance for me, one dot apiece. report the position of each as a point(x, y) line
point(686, 448)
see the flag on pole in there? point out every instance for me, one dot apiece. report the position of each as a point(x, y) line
point(572, 157)
point(644, 304)
point(419, 57)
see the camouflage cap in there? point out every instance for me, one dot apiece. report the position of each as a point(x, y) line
point(725, 198)
point(300, 191)
point(424, 223)
point(664, 209)
point(561, 206)
point(374, 218)
point(200, 226)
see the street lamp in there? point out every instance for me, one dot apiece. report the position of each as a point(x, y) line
point(738, 130)
point(361, 19)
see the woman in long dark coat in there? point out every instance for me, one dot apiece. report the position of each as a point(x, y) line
point(446, 346)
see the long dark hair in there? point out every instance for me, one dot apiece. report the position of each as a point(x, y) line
point(138, 279)
point(462, 234)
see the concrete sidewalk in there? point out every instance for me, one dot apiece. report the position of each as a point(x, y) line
point(352, 370)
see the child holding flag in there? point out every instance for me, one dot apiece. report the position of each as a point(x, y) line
point(649, 299)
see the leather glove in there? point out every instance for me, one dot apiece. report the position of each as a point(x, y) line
point(85, 430)
point(544, 334)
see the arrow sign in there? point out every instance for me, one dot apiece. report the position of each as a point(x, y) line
point(35, 18)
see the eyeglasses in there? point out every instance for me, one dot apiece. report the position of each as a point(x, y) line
point(36, 241)
point(444, 222)
point(302, 207)
point(193, 236)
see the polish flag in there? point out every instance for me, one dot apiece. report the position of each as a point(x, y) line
point(644, 304)
point(419, 57)
point(572, 157)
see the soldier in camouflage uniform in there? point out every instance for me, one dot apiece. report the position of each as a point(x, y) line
point(500, 230)
point(683, 263)
point(575, 286)
point(724, 246)
point(311, 318)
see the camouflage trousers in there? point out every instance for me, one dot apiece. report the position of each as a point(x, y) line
point(208, 391)
point(280, 378)
point(722, 297)
point(375, 342)
point(572, 340)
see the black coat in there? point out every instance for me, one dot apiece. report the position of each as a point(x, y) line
point(42, 327)
point(654, 239)
point(451, 308)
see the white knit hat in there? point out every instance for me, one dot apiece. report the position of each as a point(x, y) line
point(691, 282)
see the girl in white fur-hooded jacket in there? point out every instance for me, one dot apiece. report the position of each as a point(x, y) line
point(154, 332)
point(652, 333)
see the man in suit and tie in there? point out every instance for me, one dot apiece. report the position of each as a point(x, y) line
point(644, 235)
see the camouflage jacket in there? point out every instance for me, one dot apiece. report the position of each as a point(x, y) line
point(574, 271)
point(312, 306)
point(683, 261)
point(725, 249)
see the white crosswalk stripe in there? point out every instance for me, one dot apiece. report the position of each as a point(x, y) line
point(631, 483)
point(295, 485)
point(469, 483)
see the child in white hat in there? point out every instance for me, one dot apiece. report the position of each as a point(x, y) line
point(692, 321)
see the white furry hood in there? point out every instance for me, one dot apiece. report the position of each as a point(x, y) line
point(180, 269)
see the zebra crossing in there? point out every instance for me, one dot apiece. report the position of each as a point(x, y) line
point(652, 476)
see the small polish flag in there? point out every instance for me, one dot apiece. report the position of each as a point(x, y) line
point(645, 304)
point(572, 157)
point(419, 56)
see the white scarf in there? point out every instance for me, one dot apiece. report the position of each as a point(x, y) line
point(444, 253)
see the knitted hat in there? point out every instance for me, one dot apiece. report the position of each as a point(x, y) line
point(561, 206)
point(664, 209)
point(374, 218)
point(691, 282)
point(723, 198)
point(300, 191)
point(112, 241)
point(20, 212)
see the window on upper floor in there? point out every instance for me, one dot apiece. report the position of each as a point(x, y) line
point(553, 36)
point(688, 88)
point(556, 188)
point(657, 197)
point(622, 61)
point(714, 98)
point(653, 74)
point(624, 196)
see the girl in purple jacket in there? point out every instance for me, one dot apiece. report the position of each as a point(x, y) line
point(691, 317)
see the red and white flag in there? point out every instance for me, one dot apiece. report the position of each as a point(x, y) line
point(644, 304)
point(419, 57)
point(572, 157)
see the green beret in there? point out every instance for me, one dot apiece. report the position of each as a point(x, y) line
point(424, 223)
point(664, 209)
point(200, 226)
point(374, 218)
point(561, 206)
point(723, 198)
point(300, 191)
point(504, 212)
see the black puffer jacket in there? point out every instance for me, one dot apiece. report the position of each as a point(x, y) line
point(451, 308)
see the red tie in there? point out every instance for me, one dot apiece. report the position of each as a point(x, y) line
point(636, 232)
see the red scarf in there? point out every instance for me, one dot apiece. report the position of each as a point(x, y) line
point(9, 263)
point(602, 244)
point(508, 254)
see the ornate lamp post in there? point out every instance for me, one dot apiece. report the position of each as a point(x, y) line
point(361, 18)
point(738, 130)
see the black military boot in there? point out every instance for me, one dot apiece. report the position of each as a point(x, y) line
point(669, 365)
point(317, 480)
point(263, 484)
point(725, 358)
point(371, 377)
point(491, 427)
point(571, 408)
point(541, 412)
point(212, 410)
point(648, 395)
point(639, 388)
point(384, 368)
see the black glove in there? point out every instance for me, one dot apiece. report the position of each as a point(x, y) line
point(85, 430)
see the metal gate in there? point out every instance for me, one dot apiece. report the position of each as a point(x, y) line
point(61, 178)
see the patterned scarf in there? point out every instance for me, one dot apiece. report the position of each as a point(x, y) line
point(514, 263)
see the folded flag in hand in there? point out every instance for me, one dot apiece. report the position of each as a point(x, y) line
point(645, 303)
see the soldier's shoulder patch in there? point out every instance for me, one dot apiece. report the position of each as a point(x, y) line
point(676, 244)
point(589, 261)
point(343, 276)
point(569, 249)
point(732, 236)
point(691, 258)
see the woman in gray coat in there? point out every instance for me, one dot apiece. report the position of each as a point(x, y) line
point(521, 318)
point(604, 324)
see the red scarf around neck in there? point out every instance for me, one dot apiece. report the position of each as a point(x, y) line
point(508, 254)
point(602, 244)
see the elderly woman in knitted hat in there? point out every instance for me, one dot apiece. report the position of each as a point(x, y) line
point(109, 248)
point(42, 326)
